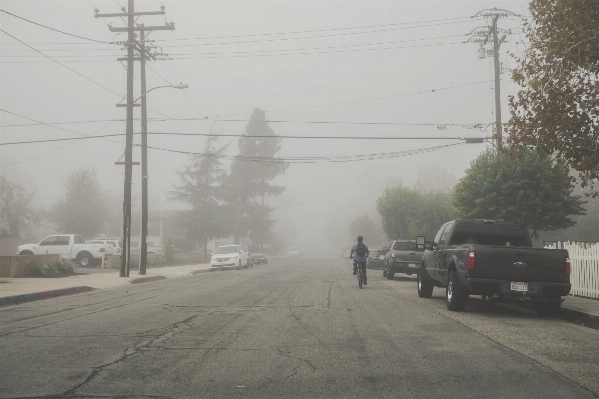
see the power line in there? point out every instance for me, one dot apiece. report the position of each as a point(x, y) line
point(241, 136)
point(262, 51)
point(465, 19)
point(312, 160)
point(54, 150)
point(211, 118)
point(253, 54)
point(52, 126)
point(55, 30)
point(228, 55)
point(60, 63)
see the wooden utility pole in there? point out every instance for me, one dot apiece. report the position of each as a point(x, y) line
point(483, 35)
point(498, 126)
point(144, 156)
point(130, 13)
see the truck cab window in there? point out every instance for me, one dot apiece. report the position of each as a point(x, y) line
point(438, 236)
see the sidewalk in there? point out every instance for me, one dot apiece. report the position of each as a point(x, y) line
point(17, 290)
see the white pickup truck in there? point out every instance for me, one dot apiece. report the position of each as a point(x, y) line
point(69, 246)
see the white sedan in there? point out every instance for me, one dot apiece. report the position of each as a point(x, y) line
point(230, 257)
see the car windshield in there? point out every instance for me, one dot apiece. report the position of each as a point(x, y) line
point(227, 249)
point(375, 252)
point(293, 249)
point(405, 246)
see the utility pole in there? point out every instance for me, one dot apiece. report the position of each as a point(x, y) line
point(144, 156)
point(130, 13)
point(483, 35)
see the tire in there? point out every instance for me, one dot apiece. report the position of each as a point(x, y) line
point(390, 274)
point(547, 309)
point(26, 252)
point(425, 286)
point(384, 272)
point(239, 265)
point(85, 260)
point(455, 295)
point(360, 278)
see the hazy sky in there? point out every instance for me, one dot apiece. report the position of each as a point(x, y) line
point(368, 58)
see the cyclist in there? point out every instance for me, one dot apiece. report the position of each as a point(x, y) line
point(362, 252)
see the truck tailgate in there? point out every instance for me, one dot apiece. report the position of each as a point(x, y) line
point(521, 264)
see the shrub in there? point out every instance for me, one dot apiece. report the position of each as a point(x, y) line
point(56, 269)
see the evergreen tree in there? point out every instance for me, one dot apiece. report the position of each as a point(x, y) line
point(200, 188)
point(251, 174)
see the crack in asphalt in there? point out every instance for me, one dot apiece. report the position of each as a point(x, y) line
point(280, 351)
point(128, 352)
point(329, 297)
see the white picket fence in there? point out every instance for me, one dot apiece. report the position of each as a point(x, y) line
point(584, 261)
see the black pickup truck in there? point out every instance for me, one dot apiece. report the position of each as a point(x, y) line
point(495, 260)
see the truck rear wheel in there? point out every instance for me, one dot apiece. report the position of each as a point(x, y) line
point(26, 252)
point(425, 287)
point(390, 274)
point(455, 295)
point(547, 309)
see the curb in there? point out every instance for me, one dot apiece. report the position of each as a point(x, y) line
point(140, 280)
point(193, 272)
point(572, 315)
point(17, 299)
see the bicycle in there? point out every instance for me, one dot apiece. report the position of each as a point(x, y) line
point(360, 274)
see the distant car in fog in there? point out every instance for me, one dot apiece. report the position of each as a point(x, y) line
point(293, 252)
point(376, 259)
point(230, 256)
point(258, 258)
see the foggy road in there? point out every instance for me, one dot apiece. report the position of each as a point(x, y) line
point(292, 328)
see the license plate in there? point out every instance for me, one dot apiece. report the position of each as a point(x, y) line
point(412, 265)
point(519, 287)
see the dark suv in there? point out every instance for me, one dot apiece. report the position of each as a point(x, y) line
point(403, 257)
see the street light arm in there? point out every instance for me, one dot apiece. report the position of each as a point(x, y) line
point(179, 86)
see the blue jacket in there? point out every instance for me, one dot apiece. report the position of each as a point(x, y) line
point(357, 257)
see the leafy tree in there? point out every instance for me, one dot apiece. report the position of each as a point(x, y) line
point(200, 189)
point(396, 205)
point(82, 210)
point(432, 179)
point(433, 210)
point(251, 173)
point(529, 189)
point(16, 210)
point(557, 107)
point(367, 227)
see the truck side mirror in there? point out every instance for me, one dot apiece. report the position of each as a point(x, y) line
point(420, 242)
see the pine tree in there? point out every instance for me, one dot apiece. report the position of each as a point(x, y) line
point(251, 174)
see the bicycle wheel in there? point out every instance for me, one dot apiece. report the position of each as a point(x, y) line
point(360, 279)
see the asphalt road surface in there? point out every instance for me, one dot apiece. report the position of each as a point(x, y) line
point(295, 328)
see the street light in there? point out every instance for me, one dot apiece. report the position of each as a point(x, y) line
point(179, 86)
point(143, 256)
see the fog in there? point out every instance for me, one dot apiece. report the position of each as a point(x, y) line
point(376, 69)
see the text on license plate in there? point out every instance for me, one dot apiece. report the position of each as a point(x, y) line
point(412, 265)
point(519, 286)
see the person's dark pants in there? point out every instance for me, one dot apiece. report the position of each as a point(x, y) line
point(363, 266)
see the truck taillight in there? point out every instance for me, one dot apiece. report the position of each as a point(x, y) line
point(471, 261)
point(567, 266)
point(102, 249)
